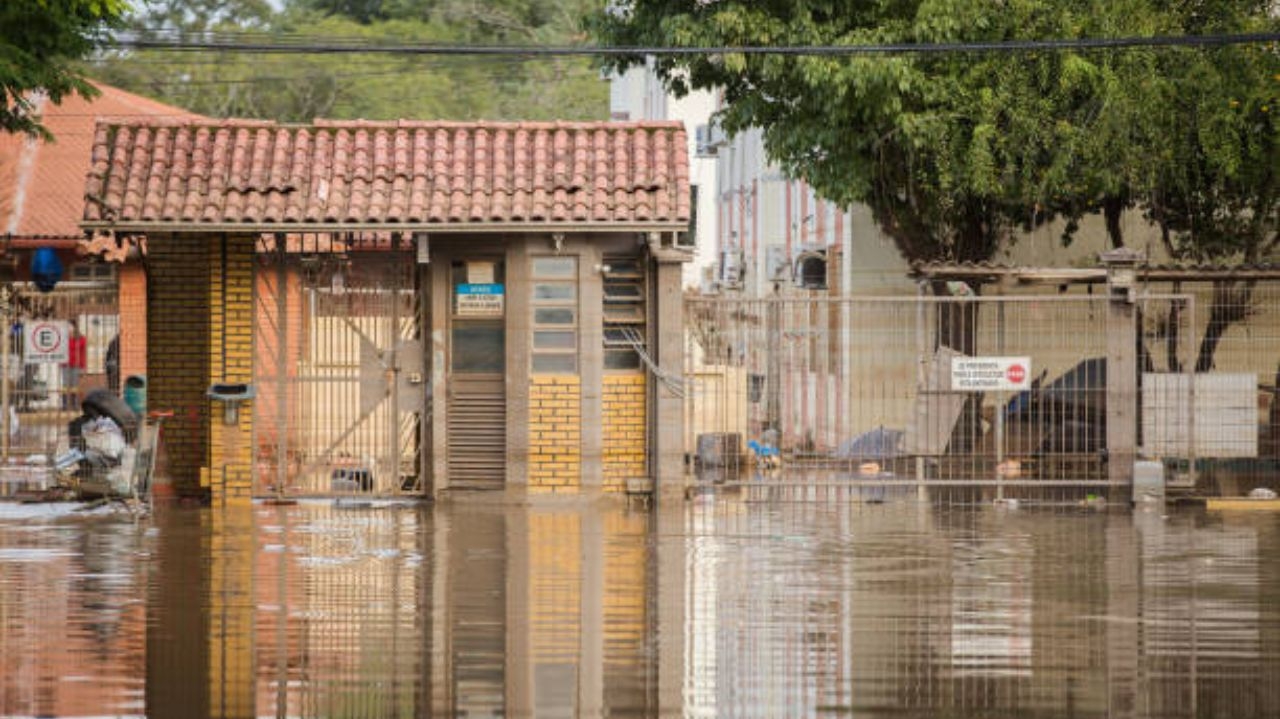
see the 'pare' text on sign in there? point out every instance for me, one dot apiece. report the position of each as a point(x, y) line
point(990, 373)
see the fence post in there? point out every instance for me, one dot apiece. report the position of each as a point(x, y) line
point(5, 399)
point(1122, 363)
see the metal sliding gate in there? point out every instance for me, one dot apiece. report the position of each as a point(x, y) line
point(338, 366)
point(849, 389)
point(41, 395)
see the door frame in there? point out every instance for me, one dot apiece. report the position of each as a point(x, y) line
point(445, 250)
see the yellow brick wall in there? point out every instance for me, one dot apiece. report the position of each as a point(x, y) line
point(230, 471)
point(624, 429)
point(555, 432)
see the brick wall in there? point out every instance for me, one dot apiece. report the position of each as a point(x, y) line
point(230, 472)
point(555, 432)
point(178, 351)
point(200, 306)
point(132, 294)
point(624, 429)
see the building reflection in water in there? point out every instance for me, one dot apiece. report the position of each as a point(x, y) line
point(548, 607)
point(912, 610)
point(473, 608)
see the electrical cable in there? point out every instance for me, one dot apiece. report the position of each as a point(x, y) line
point(142, 41)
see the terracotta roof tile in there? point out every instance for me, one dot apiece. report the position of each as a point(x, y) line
point(258, 174)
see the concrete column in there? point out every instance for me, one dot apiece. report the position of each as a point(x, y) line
point(667, 453)
point(1122, 364)
point(591, 362)
point(519, 339)
point(436, 348)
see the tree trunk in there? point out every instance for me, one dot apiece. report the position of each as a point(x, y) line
point(1230, 304)
point(1173, 331)
point(1112, 208)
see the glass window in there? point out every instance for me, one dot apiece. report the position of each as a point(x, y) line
point(548, 267)
point(478, 347)
point(621, 359)
point(543, 340)
point(554, 316)
point(554, 291)
point(546, 362)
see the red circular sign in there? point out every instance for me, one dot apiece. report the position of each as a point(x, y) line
point(46, 338)
point(1016, 373)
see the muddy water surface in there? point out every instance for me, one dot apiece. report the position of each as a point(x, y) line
point(494, 605)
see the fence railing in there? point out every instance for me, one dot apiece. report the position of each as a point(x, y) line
point(840, 389)
point(44, 385)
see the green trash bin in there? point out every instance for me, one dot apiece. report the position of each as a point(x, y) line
point(135, 394)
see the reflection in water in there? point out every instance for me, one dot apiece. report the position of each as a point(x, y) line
point(549, 607)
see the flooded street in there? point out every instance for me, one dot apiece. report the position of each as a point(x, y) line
point(489, 604)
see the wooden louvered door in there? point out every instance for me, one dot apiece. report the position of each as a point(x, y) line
point(477, 402)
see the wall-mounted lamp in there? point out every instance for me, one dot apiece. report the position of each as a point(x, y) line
point(231, 395)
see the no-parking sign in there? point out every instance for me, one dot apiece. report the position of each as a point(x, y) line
point(990, 373)
point(45, 341)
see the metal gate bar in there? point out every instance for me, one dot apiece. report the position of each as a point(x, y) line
point(338, 338)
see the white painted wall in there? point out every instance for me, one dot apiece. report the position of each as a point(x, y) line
point(638, 95)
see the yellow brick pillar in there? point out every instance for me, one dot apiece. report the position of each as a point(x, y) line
point(229, 473)
point(624, 430)
point(555, 432)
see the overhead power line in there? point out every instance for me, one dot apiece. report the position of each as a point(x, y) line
point(237, 43)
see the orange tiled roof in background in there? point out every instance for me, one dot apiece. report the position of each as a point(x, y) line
point(42, 183)
point(263, 176)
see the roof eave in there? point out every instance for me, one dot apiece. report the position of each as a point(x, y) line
point(433, 227)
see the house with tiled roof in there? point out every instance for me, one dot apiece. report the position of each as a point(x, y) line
point(406, 307)
point(41, 203)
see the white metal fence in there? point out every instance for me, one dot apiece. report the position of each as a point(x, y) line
point(44, 387)
point(836, 390)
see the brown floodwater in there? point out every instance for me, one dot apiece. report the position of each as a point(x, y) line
point(720, 606)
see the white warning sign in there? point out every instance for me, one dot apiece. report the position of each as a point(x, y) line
point(990, 373)
point(45, 341)
point(480, 300)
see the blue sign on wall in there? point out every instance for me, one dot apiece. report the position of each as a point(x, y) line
point(479, 300)
point(479, 289)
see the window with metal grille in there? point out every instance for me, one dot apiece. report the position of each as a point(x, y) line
point(624, 312)
point(555, 315)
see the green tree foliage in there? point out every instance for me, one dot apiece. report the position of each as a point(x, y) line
point(40, 40)
point(299, 88)
point(952, 152)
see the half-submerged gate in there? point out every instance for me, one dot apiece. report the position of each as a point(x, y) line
point(338, 364)
point(864, 390)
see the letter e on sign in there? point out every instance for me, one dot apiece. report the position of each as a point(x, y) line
point(46, 342)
